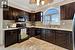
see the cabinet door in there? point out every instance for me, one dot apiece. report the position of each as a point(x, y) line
point(31, 16)
point(7, 38)
point(64, 39)
point(5, 14)
point(67, 11)
point(31, 32)
point(50, 36)
point(35, 16)
point(10, 37)
point(69, 40)
point(12, 13)
point(43, 35)
point(38, 16)
point(62, 11)
point(37, 31)
point(61, 39)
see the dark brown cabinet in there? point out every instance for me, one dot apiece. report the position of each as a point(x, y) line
point(43, 34)
point(67, 11)
point(35, 16)
point(37, 31)
point(31, 16)
point(63, 39)
point(11, 37)
point(58, 37)
point(31, 32)
point(10, 14)
point(38, 16)
point(50, 36)
point(13, 13)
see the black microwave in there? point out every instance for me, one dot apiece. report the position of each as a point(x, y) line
point(21, 19)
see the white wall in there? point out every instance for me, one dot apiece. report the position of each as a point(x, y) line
point(1, 22)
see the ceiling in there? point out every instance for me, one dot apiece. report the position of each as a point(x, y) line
point(25, 4)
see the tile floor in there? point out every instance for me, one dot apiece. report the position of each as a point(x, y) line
point(34, 44)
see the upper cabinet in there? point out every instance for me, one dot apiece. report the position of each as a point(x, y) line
point(10, 14)
point(35, 16)
point(38, 16)
point(31, 16)
point(13, 13)
point(67, 11)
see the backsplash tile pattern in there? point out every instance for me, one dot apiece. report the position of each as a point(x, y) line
point(66, 24)
point(8, 23)
point(63, 24)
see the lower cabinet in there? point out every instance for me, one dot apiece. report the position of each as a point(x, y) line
point(61, 39)
point(50, 36)
point(64, 39)
point(11, 37)
point(70, 41)
point(57, 37)
point(37, 31)
point(31, 32)
point(43, 34)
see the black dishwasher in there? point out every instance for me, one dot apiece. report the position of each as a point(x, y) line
point(11, 37)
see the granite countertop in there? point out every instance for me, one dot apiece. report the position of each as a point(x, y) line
point(44, 27)
point(9, 28)
point(47, 27)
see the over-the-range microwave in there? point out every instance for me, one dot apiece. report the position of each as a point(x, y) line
point(21, 19)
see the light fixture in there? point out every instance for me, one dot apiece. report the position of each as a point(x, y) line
point(37, 2)
point(42, 2)
point(3, 3)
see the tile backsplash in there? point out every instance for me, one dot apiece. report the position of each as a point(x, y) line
point(8, 23)
point(66, 24)
point(63, 24)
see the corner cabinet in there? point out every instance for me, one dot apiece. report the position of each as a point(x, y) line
point(38, 16)
point(31, 32)
point(35, 16)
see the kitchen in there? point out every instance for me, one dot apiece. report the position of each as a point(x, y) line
point(52, 25)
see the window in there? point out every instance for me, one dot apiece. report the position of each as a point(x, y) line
point(52, 16)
